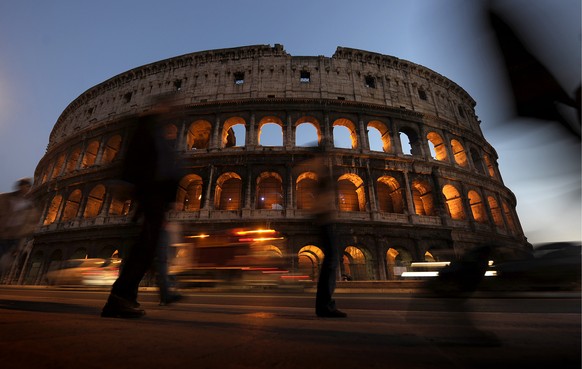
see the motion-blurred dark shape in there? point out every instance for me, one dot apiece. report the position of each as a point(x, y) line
point(554, 266)
point(536, 92)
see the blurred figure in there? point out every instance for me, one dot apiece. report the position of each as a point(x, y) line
point(536, 92)
point(18, 218)
point(453, 287)
point(152, 167)
point(323, 213)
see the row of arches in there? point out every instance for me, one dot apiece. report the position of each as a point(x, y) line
point(97, 151)
point(356, 262)
point(307, 131)
point(387, 193)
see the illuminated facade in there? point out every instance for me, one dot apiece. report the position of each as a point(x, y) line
point(416, 179)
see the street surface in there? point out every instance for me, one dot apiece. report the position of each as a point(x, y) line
point(61, 328)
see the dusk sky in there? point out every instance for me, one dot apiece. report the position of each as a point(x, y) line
point(53, 51)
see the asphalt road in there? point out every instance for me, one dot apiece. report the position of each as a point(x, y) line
point(61, 328)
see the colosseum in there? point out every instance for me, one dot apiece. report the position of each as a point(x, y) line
point(416, 179)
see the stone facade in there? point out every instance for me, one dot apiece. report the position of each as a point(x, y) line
point(417, 180)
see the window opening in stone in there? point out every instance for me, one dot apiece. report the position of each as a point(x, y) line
point(422, 95)
point(72, 206)
point(228, 192)
point(370, 82)
point(477, 161)
point(111, 149)
point(378, 136)
point(454, 202)
point(73, 160)
point(80, 253)
point(495, 211)
point(270, 134)
point(422, 198)
point(489, 165)
point(351, 195)
point(198, 136)
point(459, 153)
point(306, 190)
point(90, 154)
point(509, 217)
point(344, 134)
point(306, 135)
point(53, 210)
point(437, 146)
point(305, 77)
point(390, 195)
point(310, 258)
point(270, 192)
point(397, 261)
point(234, 132)
point(189, 194)
point(178, 84)
point(239, 78)
point(58, 166)
point(405, 143)
point(127, 97)
point(94, 202)
point(354, 263)
point(477, 207)
point(120, 205)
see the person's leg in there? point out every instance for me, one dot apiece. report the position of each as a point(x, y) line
point(324, 302)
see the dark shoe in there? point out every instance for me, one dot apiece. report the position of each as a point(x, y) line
point(171, 299)
point(331, 314)
point(118, 307)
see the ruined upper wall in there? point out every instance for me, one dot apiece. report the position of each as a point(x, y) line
point(264, 71)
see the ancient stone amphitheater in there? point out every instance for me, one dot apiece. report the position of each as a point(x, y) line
point(416, 179)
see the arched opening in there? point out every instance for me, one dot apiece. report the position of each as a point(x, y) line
point(390, 195)
point(58, 166)
point(344, 134)
point(73, 160)
point(397, 261)
point(409, 142)
point(489, 165)
point(355, 268)
point(378, 136)
point(80, 253)
point(53, 210)
point(454, 202)
point(270, 191)
point(509, 217)
point(234, 132)
point(55, 260)
point(307, 132)
point(111, 149)
point(422, 198)
point(198, 136)
point(477, 207)
point(90, 154)
point(120, 203)
point(270, 132)
point(36, 264)
point(459, 153)
point(228, 192)
point(310, 258)
point(306, 189)
point(94, 202)
point(72, 206)
point(477, 161)
point(189, 194)
point(351, 194)
point(437, 146)
point(495, 211)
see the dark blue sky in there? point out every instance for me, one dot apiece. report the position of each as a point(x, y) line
point(52, 51)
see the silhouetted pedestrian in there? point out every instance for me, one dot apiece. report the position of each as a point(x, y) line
point(151, 166)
